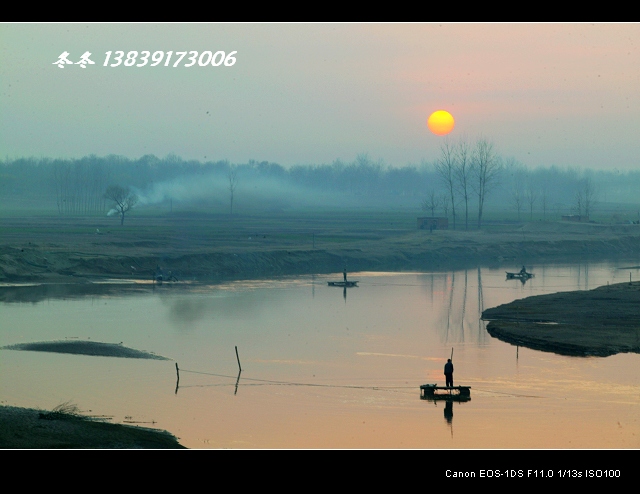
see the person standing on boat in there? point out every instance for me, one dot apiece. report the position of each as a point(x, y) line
point(523, 271)
point(448, 373)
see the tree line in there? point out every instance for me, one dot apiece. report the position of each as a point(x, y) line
point(462, 181)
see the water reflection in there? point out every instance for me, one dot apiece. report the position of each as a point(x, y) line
point(449, 301)
point(67, 291)
point(448, 412)
point(448, 400)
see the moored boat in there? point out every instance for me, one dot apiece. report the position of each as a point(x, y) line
point(342, 283)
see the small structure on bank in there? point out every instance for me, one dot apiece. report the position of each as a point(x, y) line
point(433, 223)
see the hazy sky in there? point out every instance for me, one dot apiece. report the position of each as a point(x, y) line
point(563, 94)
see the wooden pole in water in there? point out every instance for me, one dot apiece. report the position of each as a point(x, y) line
point(237, 382)
point(451, 354)
point(178, 377)
point(239, 367)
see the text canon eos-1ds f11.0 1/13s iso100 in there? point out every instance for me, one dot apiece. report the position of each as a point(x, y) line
point(529, 473)
point(141, 59)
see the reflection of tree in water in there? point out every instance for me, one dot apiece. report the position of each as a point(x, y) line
point(586, 277)
point(451, 290)
point(464, 301)
point(453, 313)
point(482, 330)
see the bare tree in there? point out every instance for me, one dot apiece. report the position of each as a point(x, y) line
point(462, 171)
point(578, 201)
point(516, 172)
point(544, 201)
point(531, 196)
point(486, 169)
point(590, 195)
point(431, 203)
point(444, 203)
point(585, 197)
point(123, 199)
point(517, 200)
point(445, 167)
point(233, 182)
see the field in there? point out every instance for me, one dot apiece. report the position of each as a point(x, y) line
point(195, 246)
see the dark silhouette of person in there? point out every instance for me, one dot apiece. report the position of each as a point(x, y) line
point(448, 373)
point(523, 270)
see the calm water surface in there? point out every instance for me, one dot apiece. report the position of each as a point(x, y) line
point(323, 368)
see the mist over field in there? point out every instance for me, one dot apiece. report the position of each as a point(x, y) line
point(77, 187)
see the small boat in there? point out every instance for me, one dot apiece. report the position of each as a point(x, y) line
point(343, 283)
point(435, 392)
point(519, 276)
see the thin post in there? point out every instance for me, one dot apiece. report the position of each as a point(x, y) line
point(239, 367)
point(178, 377)
point(237, 382)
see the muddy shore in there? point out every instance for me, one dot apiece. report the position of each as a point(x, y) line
point(28, 428)
point(599, 322)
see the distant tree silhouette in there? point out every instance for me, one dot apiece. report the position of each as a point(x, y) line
point(445, 166)
point(431, 203)
point(233, 182)
point(486, 168)
point(123, 199)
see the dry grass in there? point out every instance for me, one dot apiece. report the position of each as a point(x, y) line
point(65, 427)
point(63, 411)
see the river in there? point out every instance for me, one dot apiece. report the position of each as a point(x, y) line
point(323, 367)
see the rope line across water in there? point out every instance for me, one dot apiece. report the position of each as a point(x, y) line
point(289, 383)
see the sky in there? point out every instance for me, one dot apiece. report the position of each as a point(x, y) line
point(310, 93)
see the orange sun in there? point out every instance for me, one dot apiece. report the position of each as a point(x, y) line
point(441, 122)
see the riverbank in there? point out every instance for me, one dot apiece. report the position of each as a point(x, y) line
point(207, 248)
point(599, 322)
point(27, 428)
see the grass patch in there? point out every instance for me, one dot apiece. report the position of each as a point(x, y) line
point(63, 411)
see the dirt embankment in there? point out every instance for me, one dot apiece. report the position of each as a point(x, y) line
point(27, 428)
point(600, 322)
point(196, 250)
